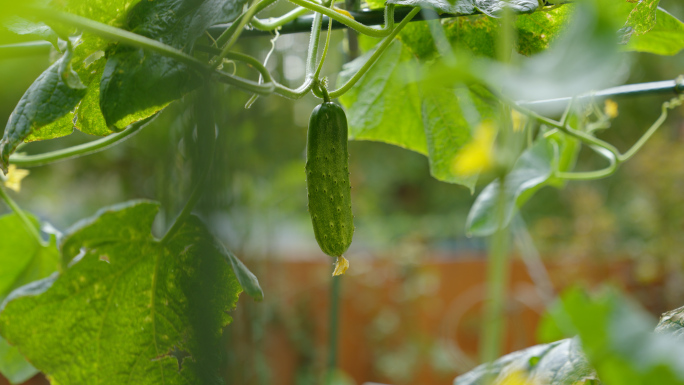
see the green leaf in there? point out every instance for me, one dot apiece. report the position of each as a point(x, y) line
point(478, 34)
point(41, 30)
point(665, 38)
point(136, 83)
point(128, 309)
point(13, 365)
point(530, 172)
point(384, 105)
point(643, 17)
point(491, 8)
point(618, 340)
point(23, 260)
point(47, 100)
point(557, 363)
point(247, 279)
point(447, 129)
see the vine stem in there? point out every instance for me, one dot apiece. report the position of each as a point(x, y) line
point(236, 29)
point(30, 227)
point(79, 150)
point(333, 327)
point(206, 132)
point(374, 57)
point(271, 24)
point(120, 35)
point(492, 327)
point(348, 21)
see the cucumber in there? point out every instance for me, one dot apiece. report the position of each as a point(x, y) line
point(327, 179)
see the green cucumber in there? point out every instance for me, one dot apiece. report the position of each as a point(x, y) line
point(327, 179)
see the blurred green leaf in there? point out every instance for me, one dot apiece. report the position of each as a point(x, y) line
point(23, 260)
point(40, 30)
point(384, 105)
point(128, 309)
point(557, 363)
point(665, 38)
point(530, 172)
point(618, 339)
point(136, 83)
point(13, 365)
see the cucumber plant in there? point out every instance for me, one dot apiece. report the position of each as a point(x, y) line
point(108, 302)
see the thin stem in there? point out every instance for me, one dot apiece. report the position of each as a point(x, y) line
point(25, 49)
point(206, 140)
point(30, 226)
point(325, 49)
point(79, 150)
point(296, 93)
point(246, 85)
point(378, 51)
point(597, 174)
point(274, 23)
point(120, 35)
point(492, 328)
point(651, 130)
point(333, 327)
point(583, 136)
point(346, 20)
point(236, 29)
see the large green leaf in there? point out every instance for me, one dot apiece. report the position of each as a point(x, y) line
point(128, 309)
point(23, 260)
point(530, 172)
point(665, 38)
point(557, 363)
point(137, 83)
point(385, 104)
point(47, 100)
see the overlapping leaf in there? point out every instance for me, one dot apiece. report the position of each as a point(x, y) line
point(23, 260)
point(128, 309)
point(137, 83)
point(530, 172)
point(48, 100)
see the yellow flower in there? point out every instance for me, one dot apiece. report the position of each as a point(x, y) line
point(477, 155)
point(611, 109)
point(14, 177)
point(341, 265)
point(519, 120)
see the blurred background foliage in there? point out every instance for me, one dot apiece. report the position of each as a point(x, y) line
point(404, 219)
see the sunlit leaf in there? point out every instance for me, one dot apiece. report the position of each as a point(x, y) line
point(23, 260)
point(665, 38)
point(385, 105)
point(128, 309)
point(47, 100)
